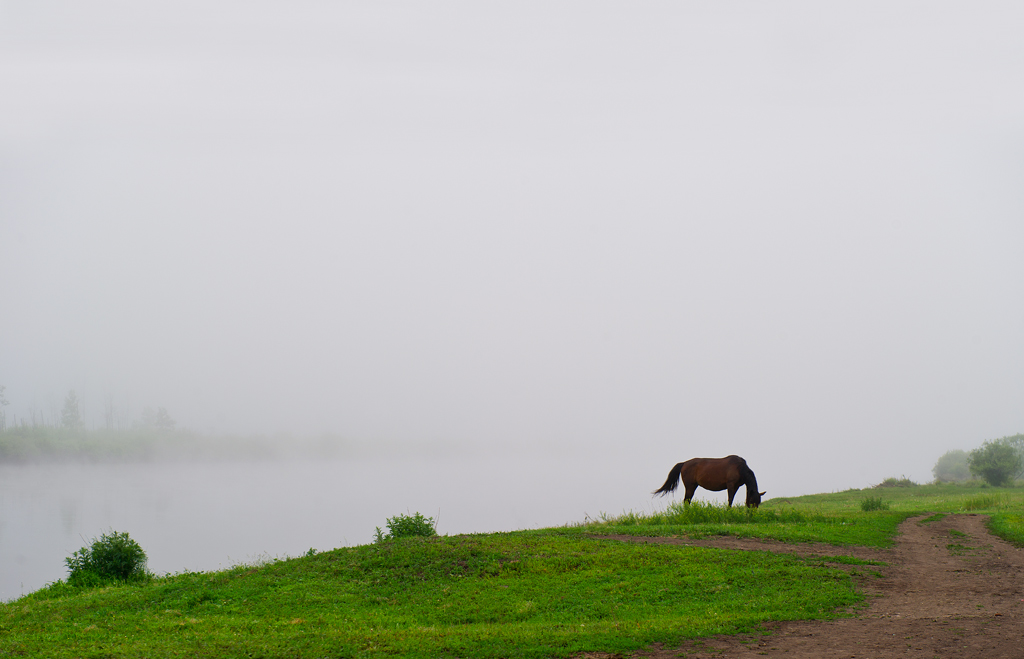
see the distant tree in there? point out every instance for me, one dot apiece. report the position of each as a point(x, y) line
point(163, 420)
point(952, 467)
point(997, 461)
point(3, 413)
point(70, 417)
point(1017, 442)
point(108, 412)
point(148, 418)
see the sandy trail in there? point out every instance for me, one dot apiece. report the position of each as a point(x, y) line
point(950, 589)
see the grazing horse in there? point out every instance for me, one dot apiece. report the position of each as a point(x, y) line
point(715, 474)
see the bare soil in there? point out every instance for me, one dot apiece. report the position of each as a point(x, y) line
point(949, 589)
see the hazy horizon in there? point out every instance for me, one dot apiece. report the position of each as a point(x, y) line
point(649, 232)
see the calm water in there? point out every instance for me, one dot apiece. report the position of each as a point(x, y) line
point(206, 516)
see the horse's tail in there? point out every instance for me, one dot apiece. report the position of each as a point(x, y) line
point(672, 482)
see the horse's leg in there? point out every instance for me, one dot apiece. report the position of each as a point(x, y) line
point(690, 489)
point(732, 493)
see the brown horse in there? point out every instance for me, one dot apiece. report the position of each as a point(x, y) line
point(715, 474)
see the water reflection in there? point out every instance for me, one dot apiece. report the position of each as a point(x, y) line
point(205, 516)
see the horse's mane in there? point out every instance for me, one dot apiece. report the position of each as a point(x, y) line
point(749, 479)
point(747, 474)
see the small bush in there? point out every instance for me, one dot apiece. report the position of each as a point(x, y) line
point(871, 503)
point(892, 481)
point(112, 557)
point(407, 526)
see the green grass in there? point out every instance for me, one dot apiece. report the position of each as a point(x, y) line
point(836, 518)
point(541, 593)
point(981, 502)
point(944, 497)
point(1008, 526)
point(784, 522)
point(501, 595)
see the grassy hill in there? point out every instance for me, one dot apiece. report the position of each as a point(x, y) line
point(543, 593)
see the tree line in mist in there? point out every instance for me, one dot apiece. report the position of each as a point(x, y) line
point(63, 435)
point(999, 462)
point(70, 416)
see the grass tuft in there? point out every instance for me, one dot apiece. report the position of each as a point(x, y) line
point(981, 501)
point(869, 504)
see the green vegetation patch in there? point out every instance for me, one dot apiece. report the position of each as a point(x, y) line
point(892, 481)
point(981, 502)
point(934, 499)
point(958, 549)
point(783, 522)
point(27, 444)
point(110, 558)
point(998, 461)
point(850, 517)
point(510, 595)
point(873, 503)
point(1008, 526)
point(407, 526)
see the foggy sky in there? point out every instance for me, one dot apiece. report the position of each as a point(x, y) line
point(655, 230)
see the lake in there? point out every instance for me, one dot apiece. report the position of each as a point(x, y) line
point(212, 515)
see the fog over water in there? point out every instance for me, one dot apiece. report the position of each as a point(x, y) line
point(634, 233)
point(209, 516)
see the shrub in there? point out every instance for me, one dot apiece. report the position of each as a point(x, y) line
point(952, 467)
point(112, 557)
point(996, 461)
point(872, 503)
point(407, 526)
point(892, 481)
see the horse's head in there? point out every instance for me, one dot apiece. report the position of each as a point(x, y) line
point(754, 499)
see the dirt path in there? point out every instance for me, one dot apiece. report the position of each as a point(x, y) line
point(950, 589)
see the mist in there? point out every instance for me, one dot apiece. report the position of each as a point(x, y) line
point(635, 233)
